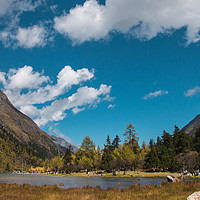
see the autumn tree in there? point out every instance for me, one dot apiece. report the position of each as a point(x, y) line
point(125, 158)
point(56, 164)
point(85, 156)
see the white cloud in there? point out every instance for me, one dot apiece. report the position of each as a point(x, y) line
point(23, 78)
point(55, 131)
point(143, 19)
point(85, 96)
point(54, 8)
point(111, 106)
point(83, 23)
point(4, 6)
point(155, 94)
point(77, 110)
point(8, 7)
point(32, 91)
point(30, 37)
point(192, 92)
point(33, 36)
point(13, 35)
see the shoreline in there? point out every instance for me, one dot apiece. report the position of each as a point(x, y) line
point(120, 175)
point(165, 191)
point(129, 174)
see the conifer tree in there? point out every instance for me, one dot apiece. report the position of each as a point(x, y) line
point(196, 140)
point(116, 142)
point(182, 142)
point(107, 155)
point(67, 160)
point(131, 138)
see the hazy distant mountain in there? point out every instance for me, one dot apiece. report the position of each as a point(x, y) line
point(25, 131)
point(191, 127)
point(63, 144)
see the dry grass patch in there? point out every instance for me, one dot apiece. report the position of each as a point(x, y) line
point(175, 191)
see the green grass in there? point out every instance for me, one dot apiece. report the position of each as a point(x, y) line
point(169, 191)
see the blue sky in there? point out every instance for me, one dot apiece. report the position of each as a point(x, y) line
point(95, 68)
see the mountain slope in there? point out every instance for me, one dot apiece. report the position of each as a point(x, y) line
point(25, 130)
point(191, 127)
point(63, 144)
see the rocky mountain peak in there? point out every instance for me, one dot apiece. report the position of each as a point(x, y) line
point(191, 127)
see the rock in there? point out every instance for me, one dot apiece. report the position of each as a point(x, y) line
point(171, 179)
point(194, 196)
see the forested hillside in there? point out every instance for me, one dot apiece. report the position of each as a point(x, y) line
point(21, 140)
point(14, 155)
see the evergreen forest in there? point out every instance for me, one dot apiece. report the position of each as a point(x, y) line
point(174, 152)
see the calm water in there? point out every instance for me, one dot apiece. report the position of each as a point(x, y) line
point(35, 179)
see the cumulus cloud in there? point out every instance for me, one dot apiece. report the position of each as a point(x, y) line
point(13, 35)
point(142, 19)
point(155, 94)
point(31, 37)
point(18, 79)
point(85, 96)
point(192, 92)
point(37, 96)
point(25, 78)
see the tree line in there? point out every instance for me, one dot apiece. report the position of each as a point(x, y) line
point(170, 152)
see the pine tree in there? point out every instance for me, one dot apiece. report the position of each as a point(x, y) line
point(116, 142)
point(182, 142)
point(131, 138)
point(196, 140)
point(167, 140)
point(151, 143)
point(144, 145)
point(107, 155)
point(67, 159)
point(152, 161)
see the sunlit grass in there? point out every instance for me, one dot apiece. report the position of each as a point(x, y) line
point(128, 174)
point(169, 191)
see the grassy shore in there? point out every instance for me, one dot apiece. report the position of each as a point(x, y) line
point(169, 191)
point(128, 174)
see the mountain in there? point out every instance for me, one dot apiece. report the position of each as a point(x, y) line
point(22, 139)
point(191, 127)
point(63, 144)
point(24, 129)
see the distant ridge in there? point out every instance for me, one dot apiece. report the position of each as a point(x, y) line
point(191, 127)
point(63, 144)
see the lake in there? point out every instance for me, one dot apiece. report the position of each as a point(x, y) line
point(78, 182)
